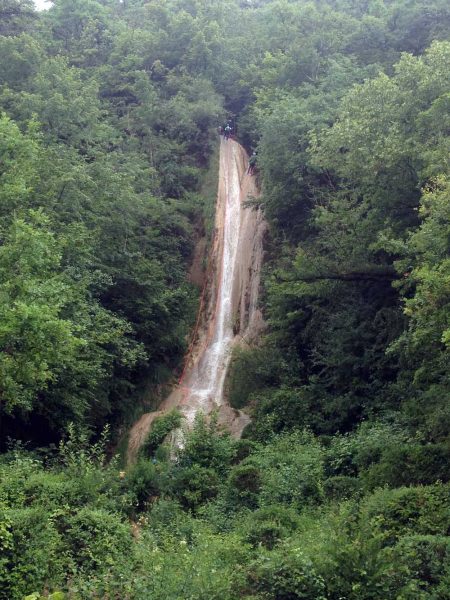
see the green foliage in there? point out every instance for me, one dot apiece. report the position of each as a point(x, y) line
point(410, 464)
point(57, 521)
point(18, 154)
point(403, 510)
point(50, 527)
point(113, 141)
point(161, 427)
point(285, 408)
point(17, 16)
point(292, 470)
point(424, 344)
point(78, 453)
point(343, 203)
point(34, 296)
point(270, 525)
point(53, 596)
point(96, 537)
point(108, 116)
point(195, 485)
point(341, 487)
point(287, 471)
point(208, 447)
point(421, 567)
point(250, 370)
point(245, 484)
point(283, 575)
point(143, 482)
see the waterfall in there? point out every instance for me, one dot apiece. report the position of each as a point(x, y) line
point(233, 307)
point(205, 384)
point(230, 314)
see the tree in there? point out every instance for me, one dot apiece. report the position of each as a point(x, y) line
point(36, 340)
point(16, 16)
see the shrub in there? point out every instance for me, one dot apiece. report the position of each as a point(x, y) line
point(36, 554)
point(244, 484)
point(15, 470)
point(340, 456)
point(422, 568)
point(291, 470)
point(251, 370)
point(423, 510)
point(168, 515)
point(54, 596)
point(285, 574)
point(341, 487)
point(143, 482)
point(372, 440)
point(208, 447)
point(52, 489)
point(352, 453)
point(97, 538)
point(195, 485)
point(269, 525)
point(77, 452)
point(279, 410)
point(161, 427)
point(244, 448)
point(410, 464)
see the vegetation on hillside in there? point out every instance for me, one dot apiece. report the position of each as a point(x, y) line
point(108, 117)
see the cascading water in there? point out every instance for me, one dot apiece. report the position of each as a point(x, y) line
point(230, 315)
point(204, 386)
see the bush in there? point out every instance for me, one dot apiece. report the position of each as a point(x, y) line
point(372, 440)
point(15, 470)
point(291, 470)
point(208, 447)
point(96, 538)
point(355, 452)
point(79, 454)
point(52, 489)
point(422, 568)
point(168, 514)
point(340, 456)
point(341, 487)
point(195, 485)
point(423, 510)
point(244, 485)
point(54, 596)
point(161, 427)
point(279, 410)
point(244, 448)
point(251, 370)
point(35, 555)
point(285, 574)
point(410, 464)
point(143, 482)
point(269, 525)
point(360, 548)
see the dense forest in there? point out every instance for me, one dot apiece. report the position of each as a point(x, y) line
point(339, 488)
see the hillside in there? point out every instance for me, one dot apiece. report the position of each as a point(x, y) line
point(339, 484)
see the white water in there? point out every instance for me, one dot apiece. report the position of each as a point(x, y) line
point(231, 315)
point(204, 387)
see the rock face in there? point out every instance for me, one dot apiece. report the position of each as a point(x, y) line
point(228, 311)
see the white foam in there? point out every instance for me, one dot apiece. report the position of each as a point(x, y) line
point(207, 380)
